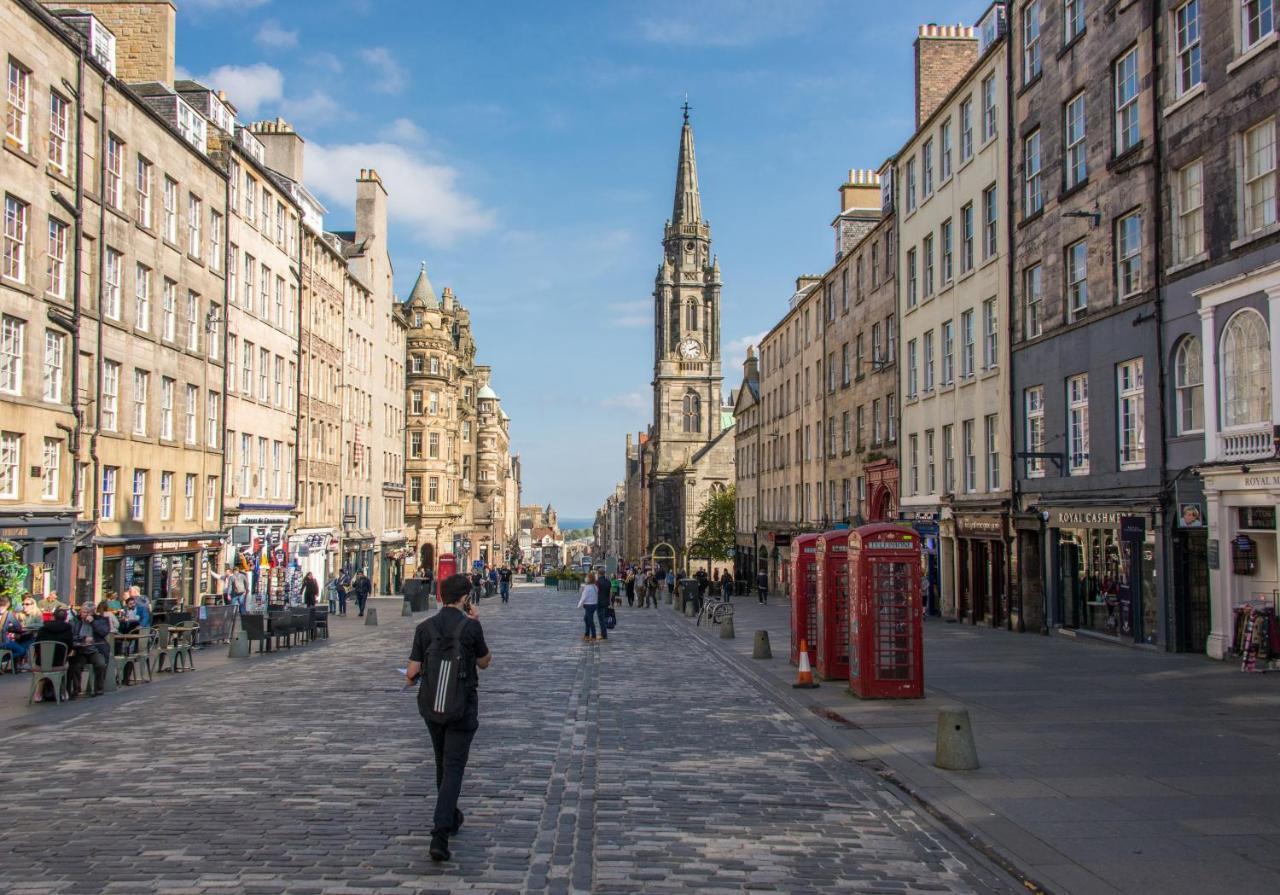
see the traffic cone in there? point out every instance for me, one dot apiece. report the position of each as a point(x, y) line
point(804, 674)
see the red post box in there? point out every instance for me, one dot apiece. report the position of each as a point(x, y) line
point(886, 634)
point(446, 565)
point(804, 604)
point(832, 589)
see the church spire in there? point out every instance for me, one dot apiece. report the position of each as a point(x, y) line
point(688, 203)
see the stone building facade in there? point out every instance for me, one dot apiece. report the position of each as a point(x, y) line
point(1086, 360)
point(953, 304)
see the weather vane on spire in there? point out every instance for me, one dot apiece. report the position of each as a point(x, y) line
point(685, 108)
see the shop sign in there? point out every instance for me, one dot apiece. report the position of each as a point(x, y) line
point(980, 525)
point(890, 545)
point(1133, 528)
point(15, 532)
point(1269, 480)
point(780, 538)
point(271, 519)
point(160, 546)
point(1084, 519)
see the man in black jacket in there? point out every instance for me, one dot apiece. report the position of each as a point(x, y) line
point(450, 742)
point(361, 587)
point(89, 632)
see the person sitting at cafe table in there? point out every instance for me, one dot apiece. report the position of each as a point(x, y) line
point(131, 616)
point(11, 632)
point(142, 603)
point(32, 617)
point(51, 603)
point(58, 630)
point(89, 631)
point(107, 611)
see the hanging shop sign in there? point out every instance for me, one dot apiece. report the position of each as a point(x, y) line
point(990, 526)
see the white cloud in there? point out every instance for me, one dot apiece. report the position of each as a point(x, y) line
point(316, 108)
point(629, 401)
point(272, 34)
point(735, 353)
point(389, 76)
point(402, 130)
point(248, 87)
point(633, 313)
point(327, 61)
point(725, 23)
point(423, 194)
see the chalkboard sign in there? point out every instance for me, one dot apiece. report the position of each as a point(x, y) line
point(1212, 553)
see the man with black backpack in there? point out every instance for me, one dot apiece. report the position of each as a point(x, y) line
point(448, 648)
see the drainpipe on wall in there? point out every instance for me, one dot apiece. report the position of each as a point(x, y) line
point(1159, 283)
point(102, 258)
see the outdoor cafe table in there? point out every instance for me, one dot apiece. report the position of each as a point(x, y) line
point(130, 643)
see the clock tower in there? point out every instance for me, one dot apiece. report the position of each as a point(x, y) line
point(686, 338)
point(688, 454)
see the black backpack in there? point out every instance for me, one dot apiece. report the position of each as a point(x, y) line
point(442, 695)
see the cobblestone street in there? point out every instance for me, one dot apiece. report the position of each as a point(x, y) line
point(640, 765)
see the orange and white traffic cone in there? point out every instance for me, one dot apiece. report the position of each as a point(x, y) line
point(804, 674)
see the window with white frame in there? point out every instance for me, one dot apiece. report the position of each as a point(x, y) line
point(989, 123)
point(167, 387)
point(1031, 61)
point(949, 459)
point(1127, 126)
point(250, 198)
point(946, 238)
point(110, 396)
point(1186, 48)
point(968, 345)
point(891, 417)
point(138, 504)
point(250, 269)
point(928, 361)
point(912, 279)
point(944, 150)
point(142, 177)
point(877, 422)
point(1246, 370)
point(142, 297)
point(16, 214)
point(213, 431)
point(1259, 171)
point(246, 461)
point(59, 131)
point(1188, 221)
point(166, 494)
point(1257, 21)
point(210, 498)
point(1032, 301)
point(990, 335)
point(278, 391)
point(911, 184)
point(1129, 255)
point(17, 118)
point(51, 469)
point(56, 259)
point(969, 456)
point(1131, 414)
point(1188, 384)
point(1033, 187)
point(190, 406)
point(169, 311)
point(170, 199)
point(926, 169)
point(966, 129)
point(948, 353)
point(189, 496)
point(107, 506)
point(113, 185)
point(111, 287)
point(930, 466)
point(54, 352)
point(1077, 163)
point(13, 335)
point(991, 431)
point(1076, 267)
point(10, 464)
point(264, 375)
point(193, 321)
point(990, 217)
point(215, 240)
point(1078, 424)
point(912, 360)
point(195, 217)
point(927, 248)
point(966, 238)
point(1072, 20)
point(141, 390)
point(1033, 414)
point(264, 292)
point(913, 451)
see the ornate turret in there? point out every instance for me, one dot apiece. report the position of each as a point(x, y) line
point(687, 208)
point(423, 293)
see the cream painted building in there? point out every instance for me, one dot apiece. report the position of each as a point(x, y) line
point(954, 306)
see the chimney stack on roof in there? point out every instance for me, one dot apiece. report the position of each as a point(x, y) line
point(944, 53)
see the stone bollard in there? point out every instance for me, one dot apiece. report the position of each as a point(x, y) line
point(239, 647)
point(370, 616)
point(110, 684)
point(726, 628)
point(405, 609)
point(688, 609)
point(761, 648)
point(955, 749)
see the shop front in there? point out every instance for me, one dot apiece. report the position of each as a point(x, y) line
point(315, 550)
point(44, 545)
point(925, 524)
point(1242, 550)
point(259, 544)
point(981, 568)
point(357, 553)
point(1105, 572)
point(175, 574)
point(394, 552)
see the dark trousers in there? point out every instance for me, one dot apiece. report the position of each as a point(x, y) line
point(601, 609)
point(589, 620)
point(452, 746)
point(79, 659)
point(762, 594)
point(361, 599)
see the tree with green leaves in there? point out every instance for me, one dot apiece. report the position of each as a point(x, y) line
point(713, 539)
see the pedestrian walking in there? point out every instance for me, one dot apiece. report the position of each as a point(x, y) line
point(310, 591)
point(671, 583)
point(651, 590)
point(449, 647)
point(235, 584)
point(630, 585)
point(340, 587)
point(604, 585)
point(762, 586)
point(361, 587)
point(726, 585)
point(504, 584)
point(588, 599)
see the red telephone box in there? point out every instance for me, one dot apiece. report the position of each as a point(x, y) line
point(832, 636)
point(446, 565)
point(804, 603)
point(886, 634)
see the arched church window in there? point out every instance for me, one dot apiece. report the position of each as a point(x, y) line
point(1246, 370)
point(692, 412)
point(691, 316)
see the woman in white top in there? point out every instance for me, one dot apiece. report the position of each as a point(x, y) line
point(588, 598)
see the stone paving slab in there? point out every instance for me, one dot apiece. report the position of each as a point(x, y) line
point(634, 765)
point(1104, 768)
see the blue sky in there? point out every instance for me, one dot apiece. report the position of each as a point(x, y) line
point(529, 149)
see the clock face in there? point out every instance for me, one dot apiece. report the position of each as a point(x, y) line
point(690, 349)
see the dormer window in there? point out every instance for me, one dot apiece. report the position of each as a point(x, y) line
point(191, 125)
